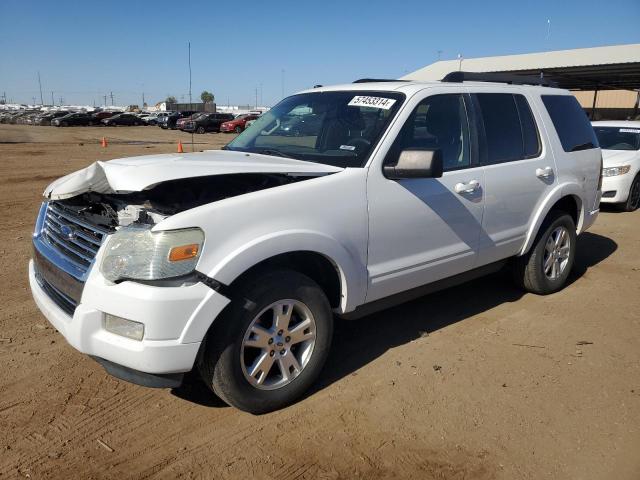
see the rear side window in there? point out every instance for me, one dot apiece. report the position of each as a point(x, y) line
point(530, 136)
point(571, 123)
point(510, 130)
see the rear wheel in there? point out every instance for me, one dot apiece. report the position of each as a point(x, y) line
point(633, 201)
point(270, 344)
point(547, 266)
point(238, 129)
point(200, 130)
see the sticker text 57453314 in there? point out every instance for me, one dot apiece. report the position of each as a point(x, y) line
point(373, 102)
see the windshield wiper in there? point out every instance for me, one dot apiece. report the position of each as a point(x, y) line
point(271, 151)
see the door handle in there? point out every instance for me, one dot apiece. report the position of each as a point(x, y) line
point(468, 187)
point(545, 172)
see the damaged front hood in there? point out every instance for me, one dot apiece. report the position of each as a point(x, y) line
point(135, 174)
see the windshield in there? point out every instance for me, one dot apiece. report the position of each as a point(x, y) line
point(618, 138)
point(334, 128)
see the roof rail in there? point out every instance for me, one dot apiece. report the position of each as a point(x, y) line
point(511, 78)
point(373, 80)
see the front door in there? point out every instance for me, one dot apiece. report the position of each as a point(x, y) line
point(423, 230)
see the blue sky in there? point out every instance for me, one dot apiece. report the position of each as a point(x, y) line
point(85, 49)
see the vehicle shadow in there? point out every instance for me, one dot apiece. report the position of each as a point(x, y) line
point(358, 342)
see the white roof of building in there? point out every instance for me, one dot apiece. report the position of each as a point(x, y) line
point(559, 59)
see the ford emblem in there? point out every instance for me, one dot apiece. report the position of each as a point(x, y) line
point(68, 232)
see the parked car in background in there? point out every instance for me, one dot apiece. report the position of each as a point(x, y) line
point(45, 120)
point(208, 122)
point(238, 124)
point(99, 116)
point(235, 262)
point(77, 119)
point(128, 119)
point(620, 144)
point(169, 122)
point(182, 121)
point(158, 117)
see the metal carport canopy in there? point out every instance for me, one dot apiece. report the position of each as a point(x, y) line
point(615, 67)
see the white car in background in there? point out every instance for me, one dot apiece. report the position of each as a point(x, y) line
point(620, 144)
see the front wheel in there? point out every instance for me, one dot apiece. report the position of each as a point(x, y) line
point(633, 201)
point(238, 129)
point(270, 344)
point(546, 267)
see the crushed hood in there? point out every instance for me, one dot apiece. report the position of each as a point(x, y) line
point(615, 158)
point(135, 174)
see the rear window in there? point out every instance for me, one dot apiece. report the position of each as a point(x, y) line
point(510, 129)
point(571, 123)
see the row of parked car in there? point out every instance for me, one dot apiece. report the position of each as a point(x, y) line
point(188, 121)
point(64, 118)
point(205, 122)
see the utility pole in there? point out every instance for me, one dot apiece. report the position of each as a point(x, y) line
point(190, 105)
point(111, 95)
point(261, 100)
point(61, 101)
point(52, 101)
point(439, 54)
point(256, 97)
point(34, 100)
point(143, 102)
point(105, 100)
point(40, 85)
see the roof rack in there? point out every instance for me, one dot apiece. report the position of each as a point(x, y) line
point(374, 80)
point(511, 78)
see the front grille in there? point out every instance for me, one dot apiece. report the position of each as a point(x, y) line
point(76, 239)
point(65, 302)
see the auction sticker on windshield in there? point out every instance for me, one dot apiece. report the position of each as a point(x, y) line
point(374, 102)
point(629, 130)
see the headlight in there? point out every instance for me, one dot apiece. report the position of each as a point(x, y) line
point(137, 253)
point(615, 171)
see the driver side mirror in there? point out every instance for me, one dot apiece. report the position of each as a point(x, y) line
point(416, 164)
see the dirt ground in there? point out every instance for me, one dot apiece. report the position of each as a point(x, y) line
point(476, 382)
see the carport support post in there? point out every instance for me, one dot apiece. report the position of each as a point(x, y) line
point(593, 107)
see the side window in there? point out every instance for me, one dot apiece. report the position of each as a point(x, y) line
point(571, 122)
point(501, 121)
point(438, 122)
point(530, 135)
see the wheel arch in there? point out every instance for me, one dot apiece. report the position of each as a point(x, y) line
point(564, 198)
point(322, 258)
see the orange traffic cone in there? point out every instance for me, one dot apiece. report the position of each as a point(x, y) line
point(104, 142)
point(180, 150)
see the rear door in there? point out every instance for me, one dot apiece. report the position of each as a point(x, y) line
point(519, 172)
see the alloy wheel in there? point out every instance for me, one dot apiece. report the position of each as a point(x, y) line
point(278, 344)
point(557, 252)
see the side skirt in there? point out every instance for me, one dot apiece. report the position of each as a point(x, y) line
point(408, 295)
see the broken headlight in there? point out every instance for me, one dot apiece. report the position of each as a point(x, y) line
point(137, 253)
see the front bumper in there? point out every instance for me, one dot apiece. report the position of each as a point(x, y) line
point(176, 319)
point(620, 185)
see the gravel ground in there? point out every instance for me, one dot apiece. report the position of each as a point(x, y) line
point(476, 382)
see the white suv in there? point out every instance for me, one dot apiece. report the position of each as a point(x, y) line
point(620, 143)
point(235, 261)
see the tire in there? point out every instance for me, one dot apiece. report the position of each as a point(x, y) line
point(633, 201)
point(225, 365)
point(200, 130)
point(238, 129)
point(532, 272)
point(64, 124)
